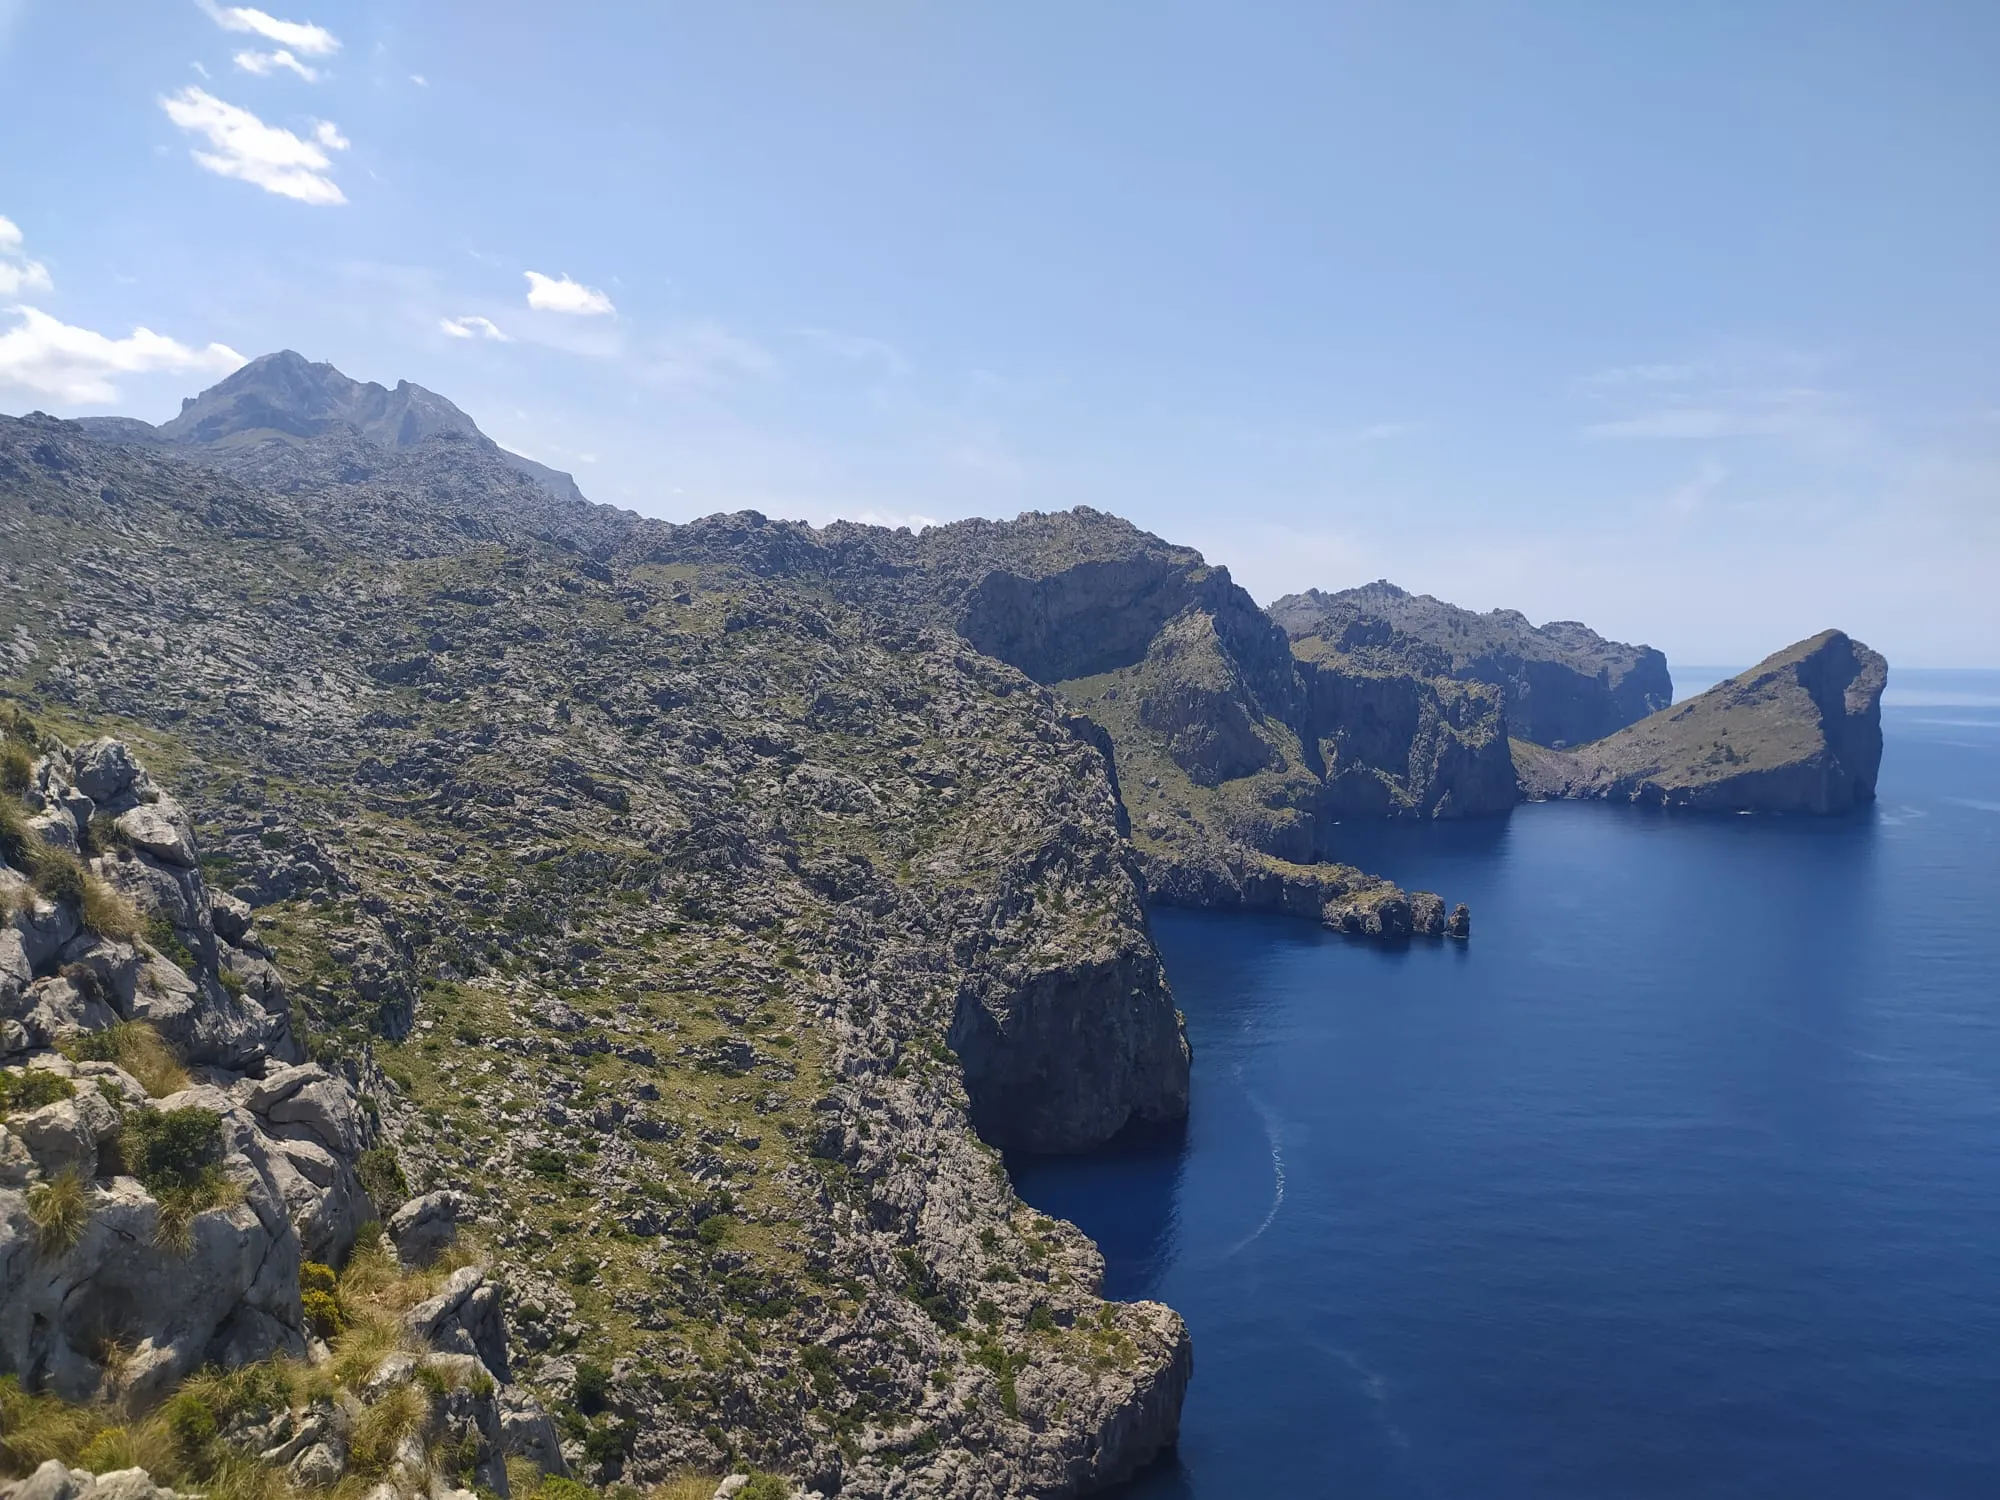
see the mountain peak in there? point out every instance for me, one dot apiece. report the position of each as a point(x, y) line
point(285, 396)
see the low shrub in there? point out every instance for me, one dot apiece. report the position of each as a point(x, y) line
point(592, 1387)
point(17, 766)
point(165, 941)
point(382, 1175)
point(322, 1313)
point(60, 875)
point(764, 1486)
point(177, 1155)
point(21, 1092)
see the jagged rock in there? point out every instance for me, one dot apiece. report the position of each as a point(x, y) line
point(527, 1431)
point(425, 1227)
point(105, 771)
point(232, 916)
point(465, 1318)
point(1558, 683)
point(65, 1136)
point(1460, 923)
point(160, 829)
point(52, 1481)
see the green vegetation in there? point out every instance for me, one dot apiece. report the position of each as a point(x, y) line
point(382, 1177)
point(60, 1211)
point(136, 1046)
point(31, 1089)
point(177, 1155)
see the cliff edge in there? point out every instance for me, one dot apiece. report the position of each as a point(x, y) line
point(1800, 732)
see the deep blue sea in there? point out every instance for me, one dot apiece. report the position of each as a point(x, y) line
point(1682, 1178)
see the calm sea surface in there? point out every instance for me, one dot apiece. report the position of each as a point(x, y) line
point(1681, 1179)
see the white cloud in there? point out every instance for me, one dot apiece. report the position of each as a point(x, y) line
point(18, 273)
point(265, 63)
point(77, 366)
point(473, 327)
point(420, 81)
point(268, 156)
point(562, 295)
point(302, 36)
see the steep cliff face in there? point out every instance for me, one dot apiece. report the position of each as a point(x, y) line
point(1399, 746)
point(1558, 683)
point(1799, 732)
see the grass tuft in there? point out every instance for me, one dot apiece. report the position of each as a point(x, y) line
point(138, 1048)
point(60, 1211)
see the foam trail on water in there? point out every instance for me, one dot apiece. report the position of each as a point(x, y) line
point(1277, 1174)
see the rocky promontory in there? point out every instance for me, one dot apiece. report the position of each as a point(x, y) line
point(1800, 732)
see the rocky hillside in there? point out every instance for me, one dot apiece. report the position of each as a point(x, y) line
point(693, 910)
point(1799, 732)
point(1559, 684)
point(278, 399)
point(178, 1181)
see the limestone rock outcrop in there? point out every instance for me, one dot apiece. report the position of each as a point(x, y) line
point(115, 968)
point(1559, 683)
point(1800, 732)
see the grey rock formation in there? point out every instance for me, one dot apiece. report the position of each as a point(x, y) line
point(1559, 683)
point(425, 1227)
point(285, 397)
point(288, 1136)
point(1801, 732)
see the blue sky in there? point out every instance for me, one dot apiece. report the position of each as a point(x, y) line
point(1682, 320)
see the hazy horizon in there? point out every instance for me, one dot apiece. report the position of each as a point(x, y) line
point(1676, 324)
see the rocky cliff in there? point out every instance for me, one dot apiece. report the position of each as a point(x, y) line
point(1799, 732)
point(1559, 683)
point(695, 901)
point(177, 1183)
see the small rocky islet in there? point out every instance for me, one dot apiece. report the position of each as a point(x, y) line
point(503, 995)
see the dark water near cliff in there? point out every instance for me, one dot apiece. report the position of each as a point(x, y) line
point(1682, 1179)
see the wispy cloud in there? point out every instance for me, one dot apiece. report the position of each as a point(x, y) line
point(267, 156)
point(265, 63)
point(79, 367)
point(1686, 498)
point(1752, 392)
point(17, 273)
point(473, 327)
point(705, 356)
point(858, 348)
point(300, 36)
point(559, 294)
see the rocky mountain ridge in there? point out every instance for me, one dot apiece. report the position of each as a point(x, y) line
point(280, 399)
